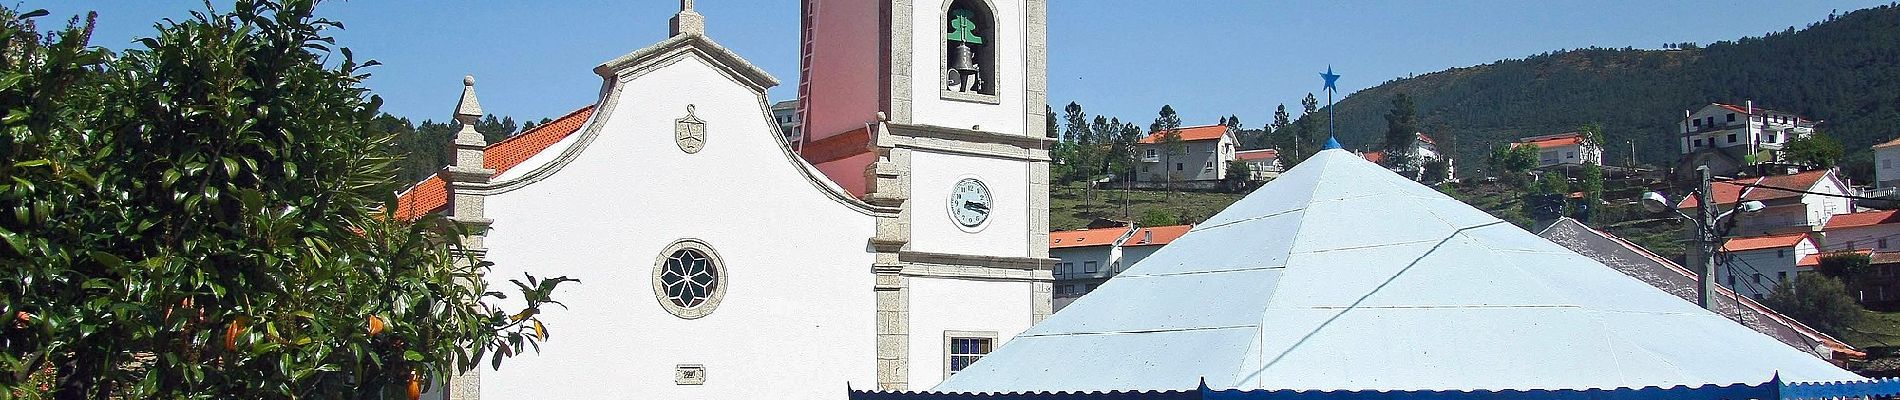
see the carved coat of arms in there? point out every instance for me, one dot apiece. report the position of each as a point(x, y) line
point(689, 132)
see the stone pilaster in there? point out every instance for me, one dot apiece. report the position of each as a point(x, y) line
point(467, 208)
point(887, 183)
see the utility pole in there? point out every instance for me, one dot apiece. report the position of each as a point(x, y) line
point(1705, 242)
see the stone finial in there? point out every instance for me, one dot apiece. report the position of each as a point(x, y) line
point(468, 111)
point(688, 21)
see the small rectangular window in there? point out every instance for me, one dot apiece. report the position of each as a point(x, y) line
point(1851, 245)
point(1779, 253)
point(1731, 117)
point(1882, 243)
point(1758, 279)
point(1210, 166)
point(1781, 276)
point(1180, 167)
point(1151, 152)
point(1144, 167)
point(1731, 138)
point(1698, 143)
point(1089, 267)
point(1697, 123)
point(1061, 269)
point(962, 348)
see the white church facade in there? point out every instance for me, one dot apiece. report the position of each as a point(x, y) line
point(906, 238)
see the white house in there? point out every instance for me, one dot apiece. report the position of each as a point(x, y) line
point(1567, 148)
point(1887, 164)
point(1754, 266)
point(1202, 159)
point(1424, 150)
point(908, 237)
point(1729, 137)
point(1262, 164)
point(1871, 230)
point(1088, 257)
point(1341, 275)
point(1787, 210)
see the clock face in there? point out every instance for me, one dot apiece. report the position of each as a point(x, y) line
point(970, 202)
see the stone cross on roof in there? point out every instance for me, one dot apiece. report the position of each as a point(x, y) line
point(688, 21)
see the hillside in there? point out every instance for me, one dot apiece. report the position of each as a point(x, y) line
point(1845, 70)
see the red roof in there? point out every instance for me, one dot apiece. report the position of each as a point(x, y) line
point(1764, 242)
point(432, 194)
point(1085, 237)
point(1426, 139)
point(1814, 260)
point(1262, 154)
point(1727, 192)
point(1191, 133)
point(1861, 219)
point(1373, 156)
point(1557, 140)
point(1156, 236)
point(1890, 143)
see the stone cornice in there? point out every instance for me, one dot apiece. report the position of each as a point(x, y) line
point(1000, 262)
point(965, 141)
point(722, 58)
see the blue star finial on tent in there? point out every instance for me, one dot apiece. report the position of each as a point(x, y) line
point(1331, 143)
point(1331, 78)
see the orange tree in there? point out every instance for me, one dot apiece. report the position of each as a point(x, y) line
point(207, 217)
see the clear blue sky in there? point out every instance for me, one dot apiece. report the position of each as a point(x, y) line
point(1121, 58)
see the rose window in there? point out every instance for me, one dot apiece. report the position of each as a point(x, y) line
point(689, 278)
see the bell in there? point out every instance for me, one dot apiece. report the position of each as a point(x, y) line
point(963, 59)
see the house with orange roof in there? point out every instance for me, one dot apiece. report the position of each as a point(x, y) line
point(1201, 162)
point(1088, 257)
point(1733, 138)
point(1887, 164)
point(1876, 232)
point(1424, 150)
point(1801, 202)
point(1568, 148)
point(1754, 266)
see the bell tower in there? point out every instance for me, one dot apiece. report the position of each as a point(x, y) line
point(936, 108)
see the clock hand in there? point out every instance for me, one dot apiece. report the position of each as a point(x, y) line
point(975, 206)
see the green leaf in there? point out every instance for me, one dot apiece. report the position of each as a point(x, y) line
point(107, 259)
point(411, 355)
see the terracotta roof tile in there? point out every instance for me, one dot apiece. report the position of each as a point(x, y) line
point(1861, 219)
point(1557, 140)
point(1157, 236)
point(1727, 192)
point(1374, 156)
point(1191, 133)
point(1764, 242)
point(1890, 143)
point(1085, 237)
point(1262, 154)
point(431, 194)
point(1814, 260)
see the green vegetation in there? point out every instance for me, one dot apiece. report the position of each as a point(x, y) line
point(208, 217)
point(1071, 207)
point(1826, 71)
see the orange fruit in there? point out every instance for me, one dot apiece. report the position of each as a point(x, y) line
point(415, 386)
point(376, 325)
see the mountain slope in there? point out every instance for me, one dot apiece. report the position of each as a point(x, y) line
point(1845, 71)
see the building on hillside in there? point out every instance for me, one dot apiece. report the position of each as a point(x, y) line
point(785, 113)
point(1887, 164)
point(1424, 151)
point(1089, 257)
point(1201, 163)
point(1733, 139)
point(1878, 232)
point(1649, 267)
point(1342, 276)
point(1262, 164)
point(1787, 211)
point(1566, 148)
point(1084, 259)
point(908, 237)
point(1754, 266)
